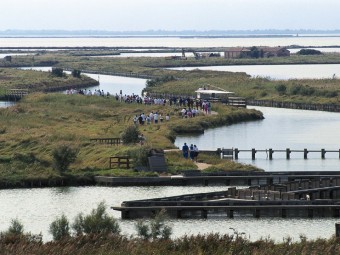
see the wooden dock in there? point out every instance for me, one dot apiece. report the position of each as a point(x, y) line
point(233, 203)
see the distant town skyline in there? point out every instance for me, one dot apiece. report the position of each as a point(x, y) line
point(142, 15)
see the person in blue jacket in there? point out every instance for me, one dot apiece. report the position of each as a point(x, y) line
point(185, 150)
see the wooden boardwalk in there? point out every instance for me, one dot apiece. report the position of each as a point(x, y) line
point(234, 152)
point(291, 105)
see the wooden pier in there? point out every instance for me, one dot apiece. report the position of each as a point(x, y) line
point(234, 203)
point(234, 152)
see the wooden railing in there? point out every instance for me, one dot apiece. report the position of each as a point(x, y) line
point(110, 141)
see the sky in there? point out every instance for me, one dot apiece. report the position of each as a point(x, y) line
point(141, 15)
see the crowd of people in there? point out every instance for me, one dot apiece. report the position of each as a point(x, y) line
point(191, 106)
point(151, 118)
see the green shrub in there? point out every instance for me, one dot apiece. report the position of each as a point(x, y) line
point(16, 228)
point(281, 88)
point(98, 222)
point(130, 135)
point(60, 228)
point(76, 73)
point(58, 72)
point(63, 156)
point(156, 229)
point(140, 155)
point(309, 52)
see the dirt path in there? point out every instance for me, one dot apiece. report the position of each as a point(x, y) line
point(202, 166)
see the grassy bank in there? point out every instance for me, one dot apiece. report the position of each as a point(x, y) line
point(39, 81)
point(31, 130)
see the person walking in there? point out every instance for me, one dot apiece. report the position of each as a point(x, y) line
point(192, 152)
point(195, 152)
point(185, 150)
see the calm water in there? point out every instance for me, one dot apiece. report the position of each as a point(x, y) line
point(278, 72)
point(5, 104)
point(281, 129)
point(37, 208)
point(168, 42)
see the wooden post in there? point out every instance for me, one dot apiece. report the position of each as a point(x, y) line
point(310, 213)
point(305, 152)
point(271, 154)
point(337, 229)
point(230, 213)
point(323, 152)
point(257, 213)
point(288, 151)
point(236, 151)
point(284, 213)
point(204, 214)
point(253, 152)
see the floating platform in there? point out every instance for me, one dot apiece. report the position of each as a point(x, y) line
point(260, 201)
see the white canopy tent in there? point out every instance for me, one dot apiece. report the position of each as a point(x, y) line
point(211, 92)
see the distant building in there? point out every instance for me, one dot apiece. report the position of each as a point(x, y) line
point(275, 52)
point(236, 52)
point(266, 52)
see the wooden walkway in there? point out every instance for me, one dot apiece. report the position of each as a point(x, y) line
point(302, 106)
point(234, 152)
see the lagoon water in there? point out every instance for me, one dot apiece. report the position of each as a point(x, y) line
point(169, 41)
point(278, 72)
point(282, 128)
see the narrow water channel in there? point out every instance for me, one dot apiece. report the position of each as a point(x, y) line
point(281, 129)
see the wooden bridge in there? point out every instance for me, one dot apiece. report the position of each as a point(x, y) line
point(234, 152)
point(15, 94)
